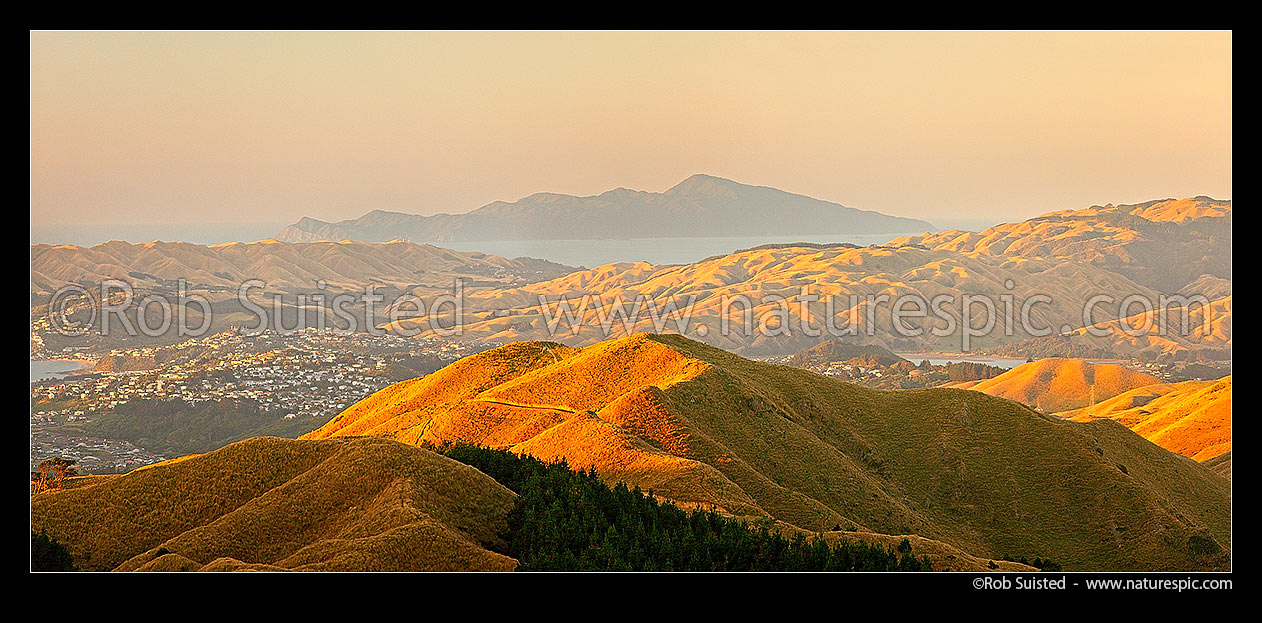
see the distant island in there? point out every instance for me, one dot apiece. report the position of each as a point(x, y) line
point(701, 206)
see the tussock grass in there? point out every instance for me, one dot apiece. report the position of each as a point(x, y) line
point(346, 504)
point(701, 426)
point(1192, 418)
point(1060, 384)
point(1221, 464)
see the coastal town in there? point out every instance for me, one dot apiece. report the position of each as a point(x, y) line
point(300, 379)
point(125, 408)
point(876, 367)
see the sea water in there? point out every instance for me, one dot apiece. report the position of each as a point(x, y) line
point(53, 369)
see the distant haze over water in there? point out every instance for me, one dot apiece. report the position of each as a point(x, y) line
point(970, 224)
point(204, 233)
point(54, 368)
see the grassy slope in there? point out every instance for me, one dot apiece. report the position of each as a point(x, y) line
point(702, 426)
point(1060, 384)
point(1221, 464)
point(304, 505)
point(174, 428)
point(832, 273)
point(1192, 418)
point(1160, 244)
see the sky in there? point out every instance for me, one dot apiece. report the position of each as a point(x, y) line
point(181, 128)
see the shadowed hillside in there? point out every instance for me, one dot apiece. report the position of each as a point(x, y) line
point(1221, 464)
point(283, 504)
point(702, 426)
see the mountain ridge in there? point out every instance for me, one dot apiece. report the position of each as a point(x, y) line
point(1164, 244)
point(1192, 418)
point(701, 205)
point(832, 273)
point(346, 264)
point(701, 426)
point(281, 504)
point(1061, 384)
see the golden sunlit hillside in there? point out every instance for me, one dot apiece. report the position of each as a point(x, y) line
point(1163, 244)
point(702, 426)
point(832, 283)
point(1182, 210)
point(240, 281)
point(583, 301)
point(284, 266)
point(1058, 384)
point(1192, 418)
point(1191, 327)
point(283, 504)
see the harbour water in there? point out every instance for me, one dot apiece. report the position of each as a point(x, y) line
point(54, 368)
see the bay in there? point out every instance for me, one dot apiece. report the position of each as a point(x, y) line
point(54, 368)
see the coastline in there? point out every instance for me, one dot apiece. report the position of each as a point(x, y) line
point(82, 365)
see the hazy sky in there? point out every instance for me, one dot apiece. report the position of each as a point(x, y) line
point(187, 127)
